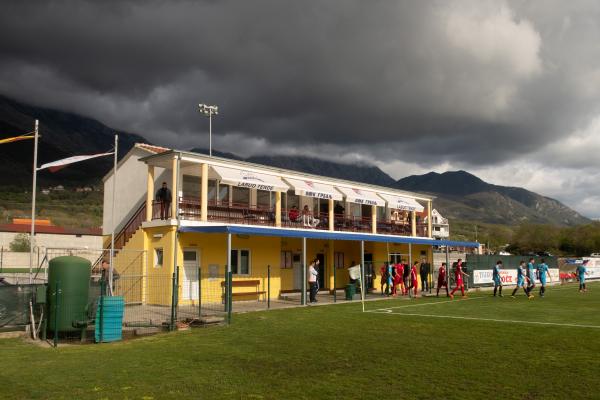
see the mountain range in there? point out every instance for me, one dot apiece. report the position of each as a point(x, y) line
point(459, 194)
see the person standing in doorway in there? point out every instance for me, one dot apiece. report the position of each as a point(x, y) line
point(313, 274)
point(163, 196)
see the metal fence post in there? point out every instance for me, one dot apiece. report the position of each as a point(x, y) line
point(226, 290)
point(199, 292)
point(173, 300)
point(229, 300)
point(268, 286)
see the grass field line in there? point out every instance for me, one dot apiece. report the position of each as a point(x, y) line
point(512, 321)
point(388, 309)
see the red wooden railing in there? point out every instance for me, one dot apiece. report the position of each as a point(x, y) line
point(132, 225)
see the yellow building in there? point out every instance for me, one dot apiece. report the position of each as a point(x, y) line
point(260, 222)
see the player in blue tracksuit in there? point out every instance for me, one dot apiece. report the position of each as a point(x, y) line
point(497, 279)
point(581, 273)
point(531, 276)
point(521, 278)
point(542, 271)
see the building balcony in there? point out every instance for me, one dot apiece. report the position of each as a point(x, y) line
point(243, 214)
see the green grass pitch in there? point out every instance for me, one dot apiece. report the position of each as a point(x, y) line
point(428, 348)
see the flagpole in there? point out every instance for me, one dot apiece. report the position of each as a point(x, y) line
point(112, 238)
point(32, 237)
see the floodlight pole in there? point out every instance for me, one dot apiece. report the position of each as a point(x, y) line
point(209, 111)
point(33, 192)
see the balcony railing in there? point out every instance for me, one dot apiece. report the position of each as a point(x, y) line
point(236, 213)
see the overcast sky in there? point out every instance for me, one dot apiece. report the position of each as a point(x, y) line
point(507, 90)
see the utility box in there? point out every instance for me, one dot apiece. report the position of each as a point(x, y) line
point(40, 294)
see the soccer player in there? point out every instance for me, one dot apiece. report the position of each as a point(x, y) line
point(406, 275)
point(394, 279)
point(399, 275)
point(458, 275)
point(581, 273)
point(497, 279)
point(384, 279)
point(442, 280)
point(531, 276)
point(542, 271)
point(521, 277)
point(390, 271)
point(413, 278)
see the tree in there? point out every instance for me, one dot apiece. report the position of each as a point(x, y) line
point(20, 243)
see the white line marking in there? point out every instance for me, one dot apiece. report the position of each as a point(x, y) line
point(512, 321)
point(426, 304)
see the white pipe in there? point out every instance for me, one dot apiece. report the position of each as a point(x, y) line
point(112, 235)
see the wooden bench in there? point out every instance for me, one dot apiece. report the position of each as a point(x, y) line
point(255, 283)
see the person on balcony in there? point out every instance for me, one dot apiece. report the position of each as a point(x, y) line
point(308, 219)
point(294, 214)
point(163, 196)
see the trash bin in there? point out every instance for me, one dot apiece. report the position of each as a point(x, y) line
point(350, 291)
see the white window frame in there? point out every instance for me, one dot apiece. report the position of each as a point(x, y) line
point(239, 259)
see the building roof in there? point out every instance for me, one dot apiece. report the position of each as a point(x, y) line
point(191, 157)
point(50, 229)
point(149, 148)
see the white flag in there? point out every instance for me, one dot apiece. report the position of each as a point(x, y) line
point(56, 165)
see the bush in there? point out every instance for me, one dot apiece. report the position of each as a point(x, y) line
point(20, 243)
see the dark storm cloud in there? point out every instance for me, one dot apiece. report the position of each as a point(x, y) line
point(470, 81)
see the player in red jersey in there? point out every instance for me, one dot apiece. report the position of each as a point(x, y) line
point(458, 273)
point(413, 278)
point(399, 275)
point(442, 281)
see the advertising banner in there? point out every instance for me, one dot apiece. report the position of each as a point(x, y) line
point(509, 276)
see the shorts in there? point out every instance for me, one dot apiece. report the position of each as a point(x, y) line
point(543, 282)
point(581, 279)
point(441, 283)
point(520, 282)
point(497, 282)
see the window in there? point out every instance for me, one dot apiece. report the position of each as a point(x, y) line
point(286, 259)
point(223, 194)
point(158, 258)
point(292, 200)
point(437, 228)
point(212, 190)
point(338, 260)
point(241, 196)
point(264, 199)
point(191, 186)
point(240, 262)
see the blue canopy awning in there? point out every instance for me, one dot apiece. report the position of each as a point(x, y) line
point(316, 234)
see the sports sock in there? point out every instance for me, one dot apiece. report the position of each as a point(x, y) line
point(515, 291)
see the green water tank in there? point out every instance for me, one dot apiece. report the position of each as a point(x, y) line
point(71, 275)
